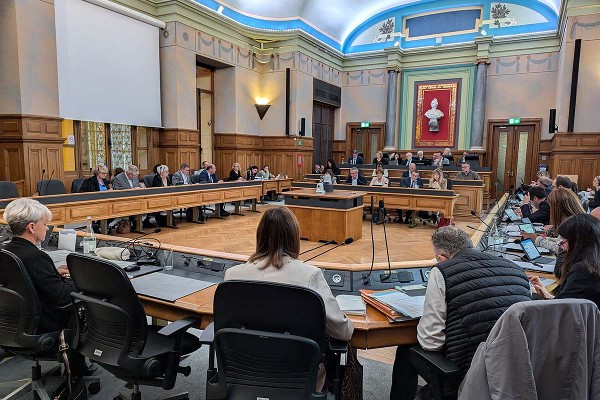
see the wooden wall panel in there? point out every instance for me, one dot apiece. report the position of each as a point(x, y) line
point(279, 152)
point(575, 154)
point(178, 146)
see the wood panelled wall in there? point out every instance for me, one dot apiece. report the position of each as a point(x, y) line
point(28, 145)
point(279, 152)
point(177, 146)
point(574, 154)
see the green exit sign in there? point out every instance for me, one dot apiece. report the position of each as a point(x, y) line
point(365, 124)
point(514, 121)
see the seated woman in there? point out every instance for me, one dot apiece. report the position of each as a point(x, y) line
point(395, 159)
point(265, 174)
point(235, 174)
point(333, 166)
point(563, 204)
point(329, 177)
point(438, 181)
point(379, 161)
point(580, 275)
point(97, 182)
point(379, 179)
point(162, 179)
point(276, 260)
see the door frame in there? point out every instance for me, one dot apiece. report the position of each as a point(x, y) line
point(355, 125)
point(490, 154)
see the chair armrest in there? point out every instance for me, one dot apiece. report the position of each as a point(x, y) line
point(178, 327)
point(436, 359)
point(208, 334)
point(337, 346)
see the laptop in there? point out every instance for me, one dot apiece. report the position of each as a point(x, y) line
point(533, 254)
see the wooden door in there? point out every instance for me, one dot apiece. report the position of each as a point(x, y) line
point(513, 152)
point(323, 128)
point(366, 140)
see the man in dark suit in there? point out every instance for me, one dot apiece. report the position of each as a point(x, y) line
point(209, 175)
point(411, 168)
point(27, 219)
point(408, 159)
point(355, 179)
point(355, 158)
point(412, 181)
point(537, 208)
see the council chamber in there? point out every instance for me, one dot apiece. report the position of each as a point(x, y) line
point(299, 200)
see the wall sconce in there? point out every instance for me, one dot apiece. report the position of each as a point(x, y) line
point(262, 109)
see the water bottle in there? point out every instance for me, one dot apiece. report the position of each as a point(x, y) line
point(89, 241)
point(168, 260)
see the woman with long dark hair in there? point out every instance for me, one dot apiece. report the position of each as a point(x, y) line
point(580, 274)
point(333, 166)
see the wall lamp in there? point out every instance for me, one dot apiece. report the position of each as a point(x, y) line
point(262, 109)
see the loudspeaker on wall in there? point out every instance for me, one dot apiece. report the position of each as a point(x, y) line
point(552, 121)
point(302, 126)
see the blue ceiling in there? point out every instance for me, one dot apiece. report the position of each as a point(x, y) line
point(352, 26)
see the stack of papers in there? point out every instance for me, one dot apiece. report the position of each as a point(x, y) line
point(352, 305)
point(394, 303)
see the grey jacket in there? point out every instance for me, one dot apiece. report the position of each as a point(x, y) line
point(121, 182)
point(177, 178)
point(545, 349)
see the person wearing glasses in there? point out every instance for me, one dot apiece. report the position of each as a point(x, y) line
point(98, 182)
point(579, 237)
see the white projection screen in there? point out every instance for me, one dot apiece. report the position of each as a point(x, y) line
point(108, 63)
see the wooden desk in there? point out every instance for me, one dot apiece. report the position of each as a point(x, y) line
point(76, 207)
point(329, 216)
point(441, 201)
point(276, 185)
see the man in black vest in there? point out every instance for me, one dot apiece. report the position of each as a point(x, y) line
point(466, 293)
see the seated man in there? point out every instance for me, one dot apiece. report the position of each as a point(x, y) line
point(421, 159)
point(535, 206)
point(411, 168)
point(467, 174)
point(355, 158)
point(412, 181)
point(182, 177)
point(355, 179)
point(439, 161)
point(467, 292)
point(128, 179)
point(208, 175)
point(251, 173)
point(27, 219)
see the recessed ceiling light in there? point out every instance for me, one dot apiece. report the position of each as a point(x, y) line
point(220, 9)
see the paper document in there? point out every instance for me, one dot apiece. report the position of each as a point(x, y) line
point(535, 267)
point(351, 304)
point(411, 306)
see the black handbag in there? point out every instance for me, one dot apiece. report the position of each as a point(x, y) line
point(352, 383)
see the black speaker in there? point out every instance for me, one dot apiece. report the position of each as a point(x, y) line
point(287, 100)
point(552, 121)
point(574, 80)
point(302, 126)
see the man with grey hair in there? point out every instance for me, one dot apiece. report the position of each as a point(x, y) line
point(128, 179)
point(27, 219)
point(467, 291)
point(355, 178)
point(182, 177)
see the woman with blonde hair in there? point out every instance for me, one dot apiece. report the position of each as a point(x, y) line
point(438, 181)
point(235, 174)
point(98, 182)
point(379, 161)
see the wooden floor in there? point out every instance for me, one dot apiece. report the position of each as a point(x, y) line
point(237, 234)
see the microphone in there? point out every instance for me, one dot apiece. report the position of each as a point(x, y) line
point(483, 222)
point(48, 183)
point(475, 229)
point(133, 240)
point(318, 247)
point(347, 241)
point(385, 276)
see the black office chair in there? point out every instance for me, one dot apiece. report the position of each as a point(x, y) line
point(148, 180)
point(20, 311)
point(51, 186)
point(77, 184)
point(116, 334)
point(269, 340)
point(442, 376)
point(8, 190)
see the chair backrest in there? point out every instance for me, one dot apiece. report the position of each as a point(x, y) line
point(272, 335)
point(196, 178)
point(148, 180)
point(449, 184)
point(77, 184)
point(533, 336)
point(51, 186)
point(8, 190)
point(20, 307)
point(115, 318)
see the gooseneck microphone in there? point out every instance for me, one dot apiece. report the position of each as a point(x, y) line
point(318, 247)
point(50, 179)
point(345, 242)
point(473, 213)
point(365, 277)
point(132, 242)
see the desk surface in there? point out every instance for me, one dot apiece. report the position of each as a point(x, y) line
point(336, 194)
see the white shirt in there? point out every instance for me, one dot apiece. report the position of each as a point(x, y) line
point(130, 182)
point(431, 329)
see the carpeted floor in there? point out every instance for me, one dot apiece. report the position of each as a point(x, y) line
point(377, 379)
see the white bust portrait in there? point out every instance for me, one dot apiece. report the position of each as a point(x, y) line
point(434, 114)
